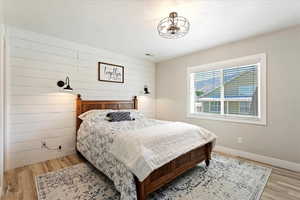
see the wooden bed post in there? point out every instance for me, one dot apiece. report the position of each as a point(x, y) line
point(78, 111)
point(135, 100)
point(140, 189)
point(208, 153)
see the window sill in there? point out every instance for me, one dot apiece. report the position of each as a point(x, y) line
point(237, 119)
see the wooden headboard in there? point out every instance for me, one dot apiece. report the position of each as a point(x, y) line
point(83, 106)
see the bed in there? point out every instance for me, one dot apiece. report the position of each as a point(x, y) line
point(130, 187)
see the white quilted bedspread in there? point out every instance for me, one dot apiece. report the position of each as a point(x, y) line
point(144, 150)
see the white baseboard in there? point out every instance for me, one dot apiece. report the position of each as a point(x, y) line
point(264, 159)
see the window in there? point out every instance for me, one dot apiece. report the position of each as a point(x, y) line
point(215, 107)
point(245, 108)
point(232, 90)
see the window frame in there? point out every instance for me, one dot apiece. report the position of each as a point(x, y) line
point(260, 59)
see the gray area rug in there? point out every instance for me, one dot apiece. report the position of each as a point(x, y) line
point(225, 179)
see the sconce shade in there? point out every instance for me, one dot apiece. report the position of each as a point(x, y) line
point(68, 88)
point(67, 83)
point(146, 91)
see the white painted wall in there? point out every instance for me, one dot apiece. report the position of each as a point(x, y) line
point(2, 139)
point(1, 98)
point(39, 110)
point(1, 12)
point(280, 138)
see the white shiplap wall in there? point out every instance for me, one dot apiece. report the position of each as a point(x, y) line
point(39, 110)
point(2, 102)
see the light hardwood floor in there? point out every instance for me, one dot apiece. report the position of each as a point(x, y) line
point(282, 185)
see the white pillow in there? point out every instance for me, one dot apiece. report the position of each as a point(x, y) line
point(134, 113)
point(94, 114)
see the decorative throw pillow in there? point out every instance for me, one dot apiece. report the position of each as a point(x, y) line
point(119, 116)
point(94, 114)
point(134, 113)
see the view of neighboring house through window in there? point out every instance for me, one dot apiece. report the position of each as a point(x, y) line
point(215, 107)
point(231, 90)
point(245, 108)
point(227, 91)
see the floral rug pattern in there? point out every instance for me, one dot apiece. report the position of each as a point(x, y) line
point(225, 179)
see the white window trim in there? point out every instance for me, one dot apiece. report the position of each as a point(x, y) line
point(261, 119)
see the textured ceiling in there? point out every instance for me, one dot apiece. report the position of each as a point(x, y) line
point(129, 26)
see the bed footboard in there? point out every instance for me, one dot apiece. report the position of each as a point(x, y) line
point(173, 169)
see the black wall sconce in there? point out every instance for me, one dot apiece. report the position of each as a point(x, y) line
point(146, 91)
point(66, 83)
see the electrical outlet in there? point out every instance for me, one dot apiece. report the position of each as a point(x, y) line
point(240, 140)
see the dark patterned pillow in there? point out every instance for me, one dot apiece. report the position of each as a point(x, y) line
point(119, 116)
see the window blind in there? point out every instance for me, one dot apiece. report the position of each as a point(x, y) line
point(207, 91)
point(230, 91)
point(240, 90)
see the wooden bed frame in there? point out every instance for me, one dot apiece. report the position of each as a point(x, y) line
point(162, 175)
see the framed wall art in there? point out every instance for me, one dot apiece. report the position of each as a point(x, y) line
point(110, 73)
